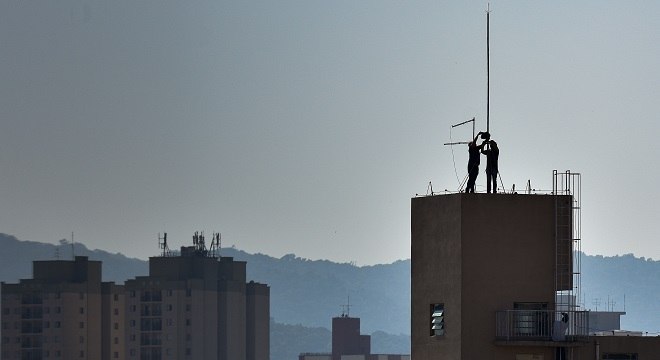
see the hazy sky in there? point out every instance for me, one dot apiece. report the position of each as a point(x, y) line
point(306, 126)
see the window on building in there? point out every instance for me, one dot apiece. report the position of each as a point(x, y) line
point(437, 319)
point(82, 310)
point(188, 322)
point(81, 340)
point(116, 340)
point(115, 355)
point(169, 307)
point(115, 297)
point(188, 292)
point(169, 292)
point(116, 311)
point(58, 310)
point(82, 354)
point(132, 323)
point(46, 324)
point(81, 296)
point(46, 310)
point(619, 356)
point(57, 325)
point(188, 307)
point(188, 351)
point(81, 325)
point(116, 326)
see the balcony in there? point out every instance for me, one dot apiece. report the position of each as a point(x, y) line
point(543, 327)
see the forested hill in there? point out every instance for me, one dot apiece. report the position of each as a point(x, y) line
point(303, 291)
point(310, 292)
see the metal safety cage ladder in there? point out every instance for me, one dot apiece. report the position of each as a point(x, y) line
point(566, 187)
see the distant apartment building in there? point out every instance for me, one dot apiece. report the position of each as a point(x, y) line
point(193, 305)
point(349, 344)
point(491, 275)
point(63, 312)
point(196, 305)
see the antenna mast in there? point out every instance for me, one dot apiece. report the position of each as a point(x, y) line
point(162, 244)
point(488, 68)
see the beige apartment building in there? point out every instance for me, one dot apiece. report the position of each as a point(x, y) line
point(195, 305)
point(488, 272)
point(63, 312)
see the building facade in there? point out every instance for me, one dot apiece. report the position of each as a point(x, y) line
point(64, 312)
point(488, 275)
point(349, 344)
point(196, 306)
point(192, 305)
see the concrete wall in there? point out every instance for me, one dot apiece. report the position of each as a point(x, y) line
point(436, 273)
point(113, 307)
point(646, 347)
point(508, 246)
point(604, 320)
point(477, 254)
point(257, 321)
point(70, 308)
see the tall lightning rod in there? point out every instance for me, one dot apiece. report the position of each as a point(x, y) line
point(488, 68)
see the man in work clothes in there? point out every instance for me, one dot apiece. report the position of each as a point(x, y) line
point(473, 163)
point(492, 154)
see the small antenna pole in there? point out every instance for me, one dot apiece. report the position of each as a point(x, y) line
point(73, 249)
point(346, 309)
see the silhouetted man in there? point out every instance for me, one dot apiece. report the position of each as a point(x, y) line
point(473, 163)
point(492, 154)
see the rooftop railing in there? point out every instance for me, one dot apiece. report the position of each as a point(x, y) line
point(542, 325)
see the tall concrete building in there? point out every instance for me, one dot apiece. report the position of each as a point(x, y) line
point(63, 312)
point(489, 273)
point(196, 305)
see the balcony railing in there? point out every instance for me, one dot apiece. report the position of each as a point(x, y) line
point(542, 325)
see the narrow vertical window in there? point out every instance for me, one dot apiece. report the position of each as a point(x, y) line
point(437, 319)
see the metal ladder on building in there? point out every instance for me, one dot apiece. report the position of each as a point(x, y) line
point(568, 262)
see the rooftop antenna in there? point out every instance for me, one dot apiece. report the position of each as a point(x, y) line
point(488, 68)
point(346, 309)
point(214, 250)
point(162, 244)
point(459, 124)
